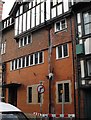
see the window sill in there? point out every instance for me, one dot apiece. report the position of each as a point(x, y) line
point(63, 30)
point(64, 102)
point(62, 58)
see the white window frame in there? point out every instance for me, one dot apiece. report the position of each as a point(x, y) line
point(24, 41)
point(87, 24)
point(3, 49)
point(62, 52)
point(88, 67)
point(13, 62)
point(11, 66)
point(5, 24)
point(34, 101)
point(38, 58)
point(30, 60)
point(70, 97)
point(61, 29)
point(42, 57)
point(82, 69)
point(28, 96)
point(17, 63)
point(14, 65)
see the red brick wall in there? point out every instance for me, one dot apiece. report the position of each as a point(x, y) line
point(63, 69)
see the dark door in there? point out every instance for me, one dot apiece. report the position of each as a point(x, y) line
point(12, 98)
point(88, 104)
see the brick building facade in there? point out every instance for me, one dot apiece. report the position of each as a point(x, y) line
point(1, 10)
point(38, 49)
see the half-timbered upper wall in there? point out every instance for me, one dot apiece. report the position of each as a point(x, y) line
point(32, 14)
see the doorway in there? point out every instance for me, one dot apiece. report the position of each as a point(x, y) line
point(12, 96)
point(87, 101)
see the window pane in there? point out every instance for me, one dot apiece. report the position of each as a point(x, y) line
point(25, 7)
point(66, 92)
point(15, 64)
point(87, 22)
point(59, 51)
point(21, 42)
point(25, 40)
point(17, 13)
point(78, 18)
point(40, 57)
point(30, 94)
point(27, 60)
point(79, 31)
point(87, 17)
point(63, 24)
point(60, 87)
point(19, 62)
point(88, 28)
point(36, 58)
point(58, 26)
point(23, 62)
point(4, 47)
point(5, 24)
point(29, 39)
point(89, 67)
point(65, 50)
point(31, 59)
